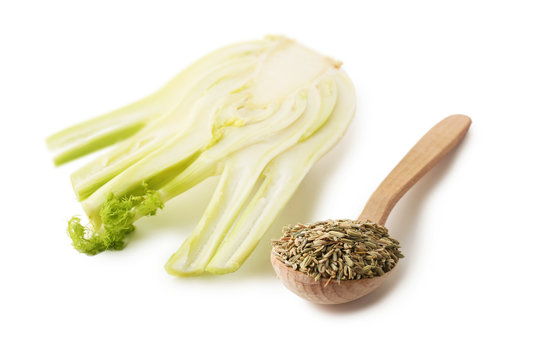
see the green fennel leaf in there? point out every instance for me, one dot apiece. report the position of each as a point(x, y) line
point(117, 215)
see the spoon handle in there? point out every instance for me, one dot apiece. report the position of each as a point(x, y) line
point(427, 152)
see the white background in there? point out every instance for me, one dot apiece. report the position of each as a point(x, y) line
point(468, 286)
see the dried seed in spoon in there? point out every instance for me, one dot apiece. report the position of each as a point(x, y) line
point(338, 249)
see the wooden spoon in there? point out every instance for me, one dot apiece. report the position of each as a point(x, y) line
point(431, 148)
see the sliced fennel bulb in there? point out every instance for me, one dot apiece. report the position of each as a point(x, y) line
point(258, 114)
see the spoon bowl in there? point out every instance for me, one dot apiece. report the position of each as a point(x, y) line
point(427, 152)
point(323, 291)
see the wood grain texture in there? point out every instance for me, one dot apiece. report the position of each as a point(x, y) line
point(431, 148)
point(427, 152)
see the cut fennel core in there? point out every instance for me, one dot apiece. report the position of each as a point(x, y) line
point(258, 114)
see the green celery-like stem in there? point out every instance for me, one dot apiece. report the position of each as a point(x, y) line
point(122, 117)
point(172, 140)
point(98, 142)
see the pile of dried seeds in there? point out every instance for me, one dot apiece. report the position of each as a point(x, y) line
point(338, 249)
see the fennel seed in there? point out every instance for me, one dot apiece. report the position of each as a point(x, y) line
point(338, 249)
